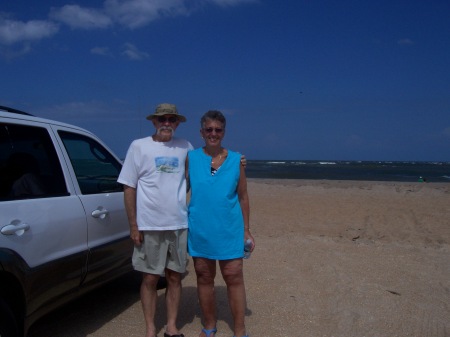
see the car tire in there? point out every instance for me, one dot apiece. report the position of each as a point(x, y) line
point(8, 323)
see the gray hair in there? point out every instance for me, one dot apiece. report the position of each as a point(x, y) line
point(214, 115)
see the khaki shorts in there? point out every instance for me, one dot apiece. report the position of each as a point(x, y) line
point(161, 250)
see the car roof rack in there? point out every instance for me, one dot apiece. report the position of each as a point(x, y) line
point(7, 109)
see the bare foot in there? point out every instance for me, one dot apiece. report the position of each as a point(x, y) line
point(151, 333)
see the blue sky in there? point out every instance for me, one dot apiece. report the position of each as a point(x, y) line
point(296, 79)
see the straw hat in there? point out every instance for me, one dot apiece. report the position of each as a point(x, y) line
point(166, 109)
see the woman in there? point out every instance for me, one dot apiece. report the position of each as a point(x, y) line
point(219, 224)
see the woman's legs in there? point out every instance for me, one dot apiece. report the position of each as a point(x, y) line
point(206, 272)
point(232, 273)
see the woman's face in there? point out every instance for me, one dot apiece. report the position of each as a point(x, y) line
point(212, 132)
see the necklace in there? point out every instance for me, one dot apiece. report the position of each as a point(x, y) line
point(217, 160)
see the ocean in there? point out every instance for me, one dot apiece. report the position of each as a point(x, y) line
point(349, 170)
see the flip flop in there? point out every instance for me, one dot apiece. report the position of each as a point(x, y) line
point(209, 332)
point(167, 335)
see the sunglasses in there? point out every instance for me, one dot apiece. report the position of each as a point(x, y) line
point(163, 119)
point(210, 130)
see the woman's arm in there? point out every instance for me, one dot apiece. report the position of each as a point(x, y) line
point(245, 205)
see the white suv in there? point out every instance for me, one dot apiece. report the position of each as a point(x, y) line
point(63, 226)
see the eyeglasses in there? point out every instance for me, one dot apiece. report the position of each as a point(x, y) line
point(163, 119)
point(210, 130)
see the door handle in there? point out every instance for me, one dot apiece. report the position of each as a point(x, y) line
point(100, 213)
point(15, 227)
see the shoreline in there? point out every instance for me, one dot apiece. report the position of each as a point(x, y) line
point(283, 181)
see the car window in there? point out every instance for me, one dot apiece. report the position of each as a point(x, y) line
point(29, 165)
point(95, 168)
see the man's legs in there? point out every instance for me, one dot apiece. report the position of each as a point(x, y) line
point(173, 296)
point(175, 267)
point(232, 273)
point(148, 300)
point(170, 248)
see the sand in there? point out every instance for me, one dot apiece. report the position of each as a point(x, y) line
point(333, 258)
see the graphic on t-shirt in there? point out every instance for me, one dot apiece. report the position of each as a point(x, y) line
point(167, 164)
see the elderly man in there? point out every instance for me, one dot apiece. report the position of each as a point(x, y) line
point(154, 182)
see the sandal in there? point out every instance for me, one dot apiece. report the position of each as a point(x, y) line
point(209, 332)
point(167, 335)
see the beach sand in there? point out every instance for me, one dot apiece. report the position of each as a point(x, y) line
point(333, 258)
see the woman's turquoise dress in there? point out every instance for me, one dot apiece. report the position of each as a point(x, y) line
point(216, 225)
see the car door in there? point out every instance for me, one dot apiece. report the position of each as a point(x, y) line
point(96, 170)
point(43, 225)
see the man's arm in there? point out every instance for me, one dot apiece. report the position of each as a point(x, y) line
point(130, 207)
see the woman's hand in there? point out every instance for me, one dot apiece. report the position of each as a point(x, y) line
point(248, 235)
point(243, 160)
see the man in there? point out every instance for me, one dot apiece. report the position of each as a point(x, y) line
point(154, 182)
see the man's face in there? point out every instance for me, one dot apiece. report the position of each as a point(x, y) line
point(165, 126)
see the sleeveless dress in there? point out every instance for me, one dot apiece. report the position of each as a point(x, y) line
point(216, 225)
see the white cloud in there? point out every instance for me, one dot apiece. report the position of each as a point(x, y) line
point(10, 53)
point(133, 53)
point(446, 132)
point(74, 111)
point(138, 13)
point(354, 140)
point(405, 42)
point(12, 32)
point(103, 51)
point(128, 13)
point(67, 112)
point(83, 18)
point(231, 2)
point(131, 13)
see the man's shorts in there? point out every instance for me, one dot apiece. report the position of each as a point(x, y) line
point(161, 250)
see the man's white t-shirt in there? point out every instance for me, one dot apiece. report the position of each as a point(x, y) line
point(157, 171)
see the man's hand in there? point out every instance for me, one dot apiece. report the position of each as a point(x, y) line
point(136, 236)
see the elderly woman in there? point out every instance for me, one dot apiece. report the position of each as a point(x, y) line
point(218, 222)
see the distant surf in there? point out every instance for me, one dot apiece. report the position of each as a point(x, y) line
point(407, 171)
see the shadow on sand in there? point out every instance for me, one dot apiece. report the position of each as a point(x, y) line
point(85, 316)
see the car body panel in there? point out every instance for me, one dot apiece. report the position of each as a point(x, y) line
point(56, 245)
